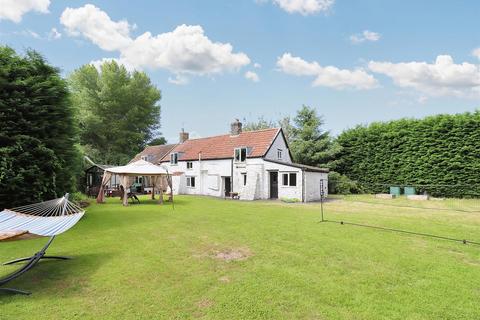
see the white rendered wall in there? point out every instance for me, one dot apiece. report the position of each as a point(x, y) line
point(253, 189)
point(205, 173)
point(294, 192)
point(208, 179)
point(178, 184)
point(312, 185)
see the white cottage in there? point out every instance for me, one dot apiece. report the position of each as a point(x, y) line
point(249, 165)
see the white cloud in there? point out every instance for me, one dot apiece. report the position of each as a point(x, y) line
point(14, 9)
point(54, 34)
point(184, 51)
point(252, 76)
point(95, 25)
point(257, 65)
point(33, 34)
point(365, 36)
point(27, 33)
point(178, 79)
point(304, 7)
point(476, 53)
point(443, 77)
point(329, 76)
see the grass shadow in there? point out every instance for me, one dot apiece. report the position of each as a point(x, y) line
point(56, 277)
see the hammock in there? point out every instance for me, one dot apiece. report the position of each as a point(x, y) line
point(45, 219)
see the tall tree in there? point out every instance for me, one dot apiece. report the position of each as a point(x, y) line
point(309, 144)
point(158, 141)
point(286, 124)
point(260, 124)
point(39, 158)
point(118, 111)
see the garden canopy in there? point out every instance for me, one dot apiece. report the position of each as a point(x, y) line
point(160, 178)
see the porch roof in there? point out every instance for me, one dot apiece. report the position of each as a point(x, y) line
point(300, 166)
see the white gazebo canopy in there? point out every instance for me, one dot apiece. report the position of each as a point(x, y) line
point(138, 168)
point(159, 176)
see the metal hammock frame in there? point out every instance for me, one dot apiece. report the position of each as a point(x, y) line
point(48, 218)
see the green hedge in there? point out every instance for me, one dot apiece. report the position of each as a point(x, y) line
point(441, 154)
point(38, 157)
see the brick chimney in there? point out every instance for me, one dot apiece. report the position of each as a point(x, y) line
point(236, 128)
point(183, 136)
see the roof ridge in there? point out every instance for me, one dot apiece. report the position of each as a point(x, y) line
point(230, 135)
point(161, 145)
point(220, 146)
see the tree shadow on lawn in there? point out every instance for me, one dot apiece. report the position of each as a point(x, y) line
point(111, 215)
point(55, 278)
point(145, 200)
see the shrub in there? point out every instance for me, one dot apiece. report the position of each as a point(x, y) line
point(341, 184)
point(80, 199)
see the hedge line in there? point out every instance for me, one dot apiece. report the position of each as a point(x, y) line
point(442, 150)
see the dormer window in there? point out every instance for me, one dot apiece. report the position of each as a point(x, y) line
point(147, 157)
point(279, 154)
point(174, 158)
point(240, 154)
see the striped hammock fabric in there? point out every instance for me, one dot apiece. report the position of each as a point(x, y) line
point(46, 219)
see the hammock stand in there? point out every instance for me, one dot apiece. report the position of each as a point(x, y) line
point(48, 218)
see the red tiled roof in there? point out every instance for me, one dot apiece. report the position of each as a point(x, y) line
point(222, 147)
point(156, 153)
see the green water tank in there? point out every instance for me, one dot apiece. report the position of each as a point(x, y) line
point(395, 190)
point(410, 191)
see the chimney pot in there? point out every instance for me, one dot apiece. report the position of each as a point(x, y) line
point(236, 127)
point(183, 136)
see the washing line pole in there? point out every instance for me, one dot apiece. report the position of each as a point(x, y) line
point(322, 195)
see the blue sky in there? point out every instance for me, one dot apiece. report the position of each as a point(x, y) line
point(355, 61)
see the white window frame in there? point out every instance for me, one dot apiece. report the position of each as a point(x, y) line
point(191, 165)
point(289, 180)
point(174, 158)
point(244, 177)
point(145, 158)
point(279, 154)
point(189, 182)
point(238, 157)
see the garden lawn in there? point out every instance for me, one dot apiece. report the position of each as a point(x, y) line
point(149, 261)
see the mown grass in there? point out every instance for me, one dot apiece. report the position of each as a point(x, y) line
point(151, 262)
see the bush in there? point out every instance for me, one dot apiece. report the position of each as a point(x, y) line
point(80, 199)
point(341, 184)
point(27, 171)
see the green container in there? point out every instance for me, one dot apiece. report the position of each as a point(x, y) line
point(395, 190)
point(410, 191)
